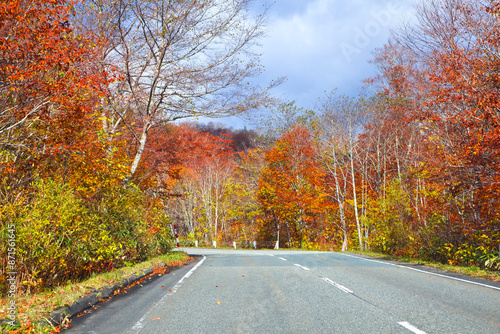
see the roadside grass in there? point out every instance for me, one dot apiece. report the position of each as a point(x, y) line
point(473, 271)
point(35, 307)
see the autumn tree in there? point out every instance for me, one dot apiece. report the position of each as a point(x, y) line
point(456, 42)
point(171, 151)
point(392, 145)
point(53, 170)
point(244, 208)
point(343, 119)
point(177, 59)
point(195, 178)
point(290, 188)
point(46, 87)
point(430, 146)
point(280, 118)
point(241, 139)
point(213, 173)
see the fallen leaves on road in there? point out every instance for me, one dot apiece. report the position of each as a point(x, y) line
point(155, 318)
point(218, 302)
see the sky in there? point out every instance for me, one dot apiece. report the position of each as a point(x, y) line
point(322, 45)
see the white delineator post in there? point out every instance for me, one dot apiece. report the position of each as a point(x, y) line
point(277, 246)
point(176, 236)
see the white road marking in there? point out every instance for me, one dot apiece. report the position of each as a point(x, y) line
point(298, 265)
point(411, 328)
point(140, 324)
point(338, 286)
point(426, 272)
point(282, 259)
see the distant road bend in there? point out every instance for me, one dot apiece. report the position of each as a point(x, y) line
point(252, 291)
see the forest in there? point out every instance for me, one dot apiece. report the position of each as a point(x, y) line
point(102, 152)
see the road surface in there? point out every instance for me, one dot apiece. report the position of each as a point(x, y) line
point(261, 291)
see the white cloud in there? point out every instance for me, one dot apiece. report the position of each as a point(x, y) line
point(324, 44)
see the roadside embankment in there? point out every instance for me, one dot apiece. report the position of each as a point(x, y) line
point(49, 311)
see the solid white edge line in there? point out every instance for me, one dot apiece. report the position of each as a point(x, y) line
point(338, 286)
point(411, 328)
point(298, 265)
point(140, 324)
point(426, 272)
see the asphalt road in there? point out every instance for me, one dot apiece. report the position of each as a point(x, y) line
point(243, 291)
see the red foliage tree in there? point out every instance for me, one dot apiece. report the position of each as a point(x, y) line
point(290, 189)
point(460, 115)
point(47, 88)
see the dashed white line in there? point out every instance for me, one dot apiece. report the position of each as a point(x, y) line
point(281, 258)
point(425, 272)
point(411, 327)
point(140, 324)
point(298, 265)
point(338, 286)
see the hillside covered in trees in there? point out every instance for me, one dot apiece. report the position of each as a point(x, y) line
point(100, 155)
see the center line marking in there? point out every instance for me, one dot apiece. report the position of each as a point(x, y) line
point(338, 286)
point(298, 265)
point(411, 328)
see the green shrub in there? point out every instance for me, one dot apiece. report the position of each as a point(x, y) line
point(58, 238)
point(139, 231)
point(61, 237)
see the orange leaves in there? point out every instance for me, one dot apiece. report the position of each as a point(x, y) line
point(49, 84)
point(174, 152)
point(290, 187)
point(446, 82)
point(463, 107)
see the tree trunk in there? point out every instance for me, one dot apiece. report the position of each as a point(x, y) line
point(355, 200)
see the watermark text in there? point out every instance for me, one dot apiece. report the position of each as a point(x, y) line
point(11, 275)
